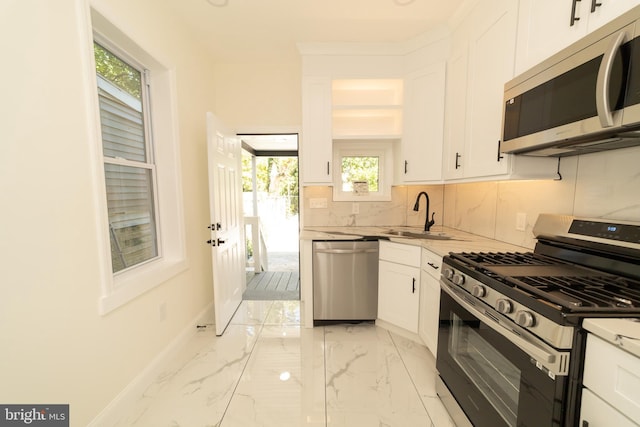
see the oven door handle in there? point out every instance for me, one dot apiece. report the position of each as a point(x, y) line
point(555, 362)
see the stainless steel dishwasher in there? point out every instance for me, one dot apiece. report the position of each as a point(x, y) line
point(345, 280)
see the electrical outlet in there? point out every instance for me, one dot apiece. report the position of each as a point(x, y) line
point(355, 208)
point(521, 221)
point(318, 203)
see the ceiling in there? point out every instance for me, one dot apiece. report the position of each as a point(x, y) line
point(272, 142)
point(268, 30)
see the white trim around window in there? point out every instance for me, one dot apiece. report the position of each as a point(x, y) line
point(363, 148)
point(120, 288)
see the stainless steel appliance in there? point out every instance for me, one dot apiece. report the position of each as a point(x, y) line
point(584, 99)
point(345, 280)
point(511, 345)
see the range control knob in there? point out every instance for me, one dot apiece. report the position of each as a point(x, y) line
point(478, 291)
point(525, 318)
point(504, 306)
point(458, 279)
point(448, 273)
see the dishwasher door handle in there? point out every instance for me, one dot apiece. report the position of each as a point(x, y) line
point(346, 251)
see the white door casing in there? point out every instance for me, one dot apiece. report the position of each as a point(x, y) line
point(226, 221)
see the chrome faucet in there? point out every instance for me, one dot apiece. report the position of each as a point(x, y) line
point(416, 207)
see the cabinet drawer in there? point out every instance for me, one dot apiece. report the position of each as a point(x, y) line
point(614, 375)
point(595, 412)
point(400, 254)
point(431, 263)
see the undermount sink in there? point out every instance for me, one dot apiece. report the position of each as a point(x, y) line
point(419, 235)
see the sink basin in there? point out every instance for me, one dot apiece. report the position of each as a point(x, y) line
point(419, 235)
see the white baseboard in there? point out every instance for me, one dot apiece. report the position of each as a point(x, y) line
point(124, 401)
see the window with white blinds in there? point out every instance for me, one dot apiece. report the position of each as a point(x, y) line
point(128, 160)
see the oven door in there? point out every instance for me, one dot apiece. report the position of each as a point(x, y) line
point(494, 381)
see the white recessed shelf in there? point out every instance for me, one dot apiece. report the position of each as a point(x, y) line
point(369, 108)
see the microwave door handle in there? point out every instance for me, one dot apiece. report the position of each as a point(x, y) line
point(531, 349)
point(604, 81)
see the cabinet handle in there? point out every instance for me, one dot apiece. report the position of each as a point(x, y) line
point(500, 156)
point(435, 267)
point(327, 168)
point(413, 286)
point(585, 423)
point(406, 163)
point(595, 5)
point(457, 162)
point(574, 18)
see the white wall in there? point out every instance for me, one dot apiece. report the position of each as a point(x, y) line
point(56, 348)
point(259, 97)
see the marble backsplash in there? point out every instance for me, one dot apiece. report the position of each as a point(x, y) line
point(601, 185)
point(399, 211)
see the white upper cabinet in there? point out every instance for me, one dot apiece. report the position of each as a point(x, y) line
point(482, 61)
point(547, 26)
point(361, 97)
point(316, 147)
point(491, 59)
point(422, 136)
point(455, 113)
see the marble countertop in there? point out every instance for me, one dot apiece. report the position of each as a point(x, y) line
point(624, 333)
point(460, 241)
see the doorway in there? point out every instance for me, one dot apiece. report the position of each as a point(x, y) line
point(271, 211)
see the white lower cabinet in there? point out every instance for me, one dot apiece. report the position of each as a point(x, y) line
point(399, 285)
point(596, 412)
point(429, 299)
point(612, 383)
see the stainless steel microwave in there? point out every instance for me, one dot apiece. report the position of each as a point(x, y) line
point(585, 98)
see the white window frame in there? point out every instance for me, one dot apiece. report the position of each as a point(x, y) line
point(365, 148)
point(142, 106)
point(124, 286)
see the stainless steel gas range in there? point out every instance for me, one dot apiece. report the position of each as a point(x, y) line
point(510, 344)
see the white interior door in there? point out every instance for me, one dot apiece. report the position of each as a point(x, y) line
point(227, 228)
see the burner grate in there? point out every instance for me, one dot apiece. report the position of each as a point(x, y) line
point(584, 292)
point(554, 281)
point(480, 259)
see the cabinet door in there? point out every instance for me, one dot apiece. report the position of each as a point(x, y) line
point(491, 64)
point(423, 128)
point(429, 311)
point(453, 160)
point(605, 12)
point(316, 143)
point(544, 29)
point(399, 295)
point(544, 26)
point(595, 412)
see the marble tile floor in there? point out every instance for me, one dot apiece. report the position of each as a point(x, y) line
point(267, 370)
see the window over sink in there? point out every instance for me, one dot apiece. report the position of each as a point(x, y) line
point(362, 170)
